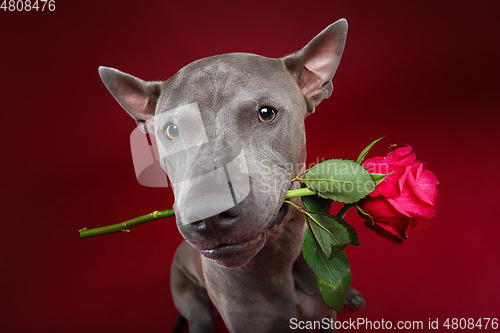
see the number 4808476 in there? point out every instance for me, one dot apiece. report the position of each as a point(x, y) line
point(28, 5)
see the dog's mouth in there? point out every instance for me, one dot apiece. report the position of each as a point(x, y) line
point(225, 254)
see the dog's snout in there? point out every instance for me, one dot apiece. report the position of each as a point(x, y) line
point(219, 224)
point(199, 160)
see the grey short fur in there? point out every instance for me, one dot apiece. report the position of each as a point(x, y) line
point(246, 261)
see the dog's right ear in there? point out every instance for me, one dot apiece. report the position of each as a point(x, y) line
point(136, 96)
point(313, 67)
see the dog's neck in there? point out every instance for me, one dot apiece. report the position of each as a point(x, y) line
point(281, 248)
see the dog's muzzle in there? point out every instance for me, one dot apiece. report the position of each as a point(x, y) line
point(208, 179)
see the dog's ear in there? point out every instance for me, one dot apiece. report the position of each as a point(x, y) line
point(136, 96)
point(313, 67)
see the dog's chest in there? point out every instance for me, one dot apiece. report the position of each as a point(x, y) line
point(268, 303)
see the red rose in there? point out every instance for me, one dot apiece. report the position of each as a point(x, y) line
point(405, 200)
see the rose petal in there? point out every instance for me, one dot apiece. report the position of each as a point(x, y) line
point(381, 210)
point(419, 192)
point(402, 179)
point(401, 155)
point(400, 151)
point(420, 224)
point(398, 207)
point(418, 209)
point(387, 232)
point(428, 182)
point(388, 187)
point(384, 213)
point(419, 170)
point(373, 164)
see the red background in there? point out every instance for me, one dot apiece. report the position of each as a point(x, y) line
point(420, 72)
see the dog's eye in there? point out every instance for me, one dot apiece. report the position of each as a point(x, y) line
point(267, 114)
point(172, 131)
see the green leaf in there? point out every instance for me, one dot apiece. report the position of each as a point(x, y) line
point(323, 236)
point(316, 204)
point(340, 180)
point(365, 151)
point(333, 277)
point(379, 177)
point(332, 234)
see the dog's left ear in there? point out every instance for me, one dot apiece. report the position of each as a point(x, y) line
point(136, 96)
point(313, 67)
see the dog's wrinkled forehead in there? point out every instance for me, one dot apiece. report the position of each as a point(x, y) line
point(228, 82)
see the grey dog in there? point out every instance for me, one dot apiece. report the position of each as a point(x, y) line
point(244, 261)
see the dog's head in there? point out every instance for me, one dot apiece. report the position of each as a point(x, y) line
point(230, 132)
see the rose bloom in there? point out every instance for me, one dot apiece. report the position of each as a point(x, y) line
point(405, 200)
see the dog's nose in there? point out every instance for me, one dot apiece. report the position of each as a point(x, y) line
point(219, 224)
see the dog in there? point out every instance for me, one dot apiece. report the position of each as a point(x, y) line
point(230, 134)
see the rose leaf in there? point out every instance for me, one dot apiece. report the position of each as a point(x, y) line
point(365, 151)
point(340, 180)
point(333, 277)
point(332, 234)
point(378, 177)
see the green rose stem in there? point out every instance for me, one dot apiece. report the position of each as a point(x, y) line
point(340, 214)
point(344, 210)
point(301, 192)
point(125, 226)
point(157, 215)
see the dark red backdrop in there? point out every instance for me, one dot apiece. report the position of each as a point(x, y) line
point(424, 73)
